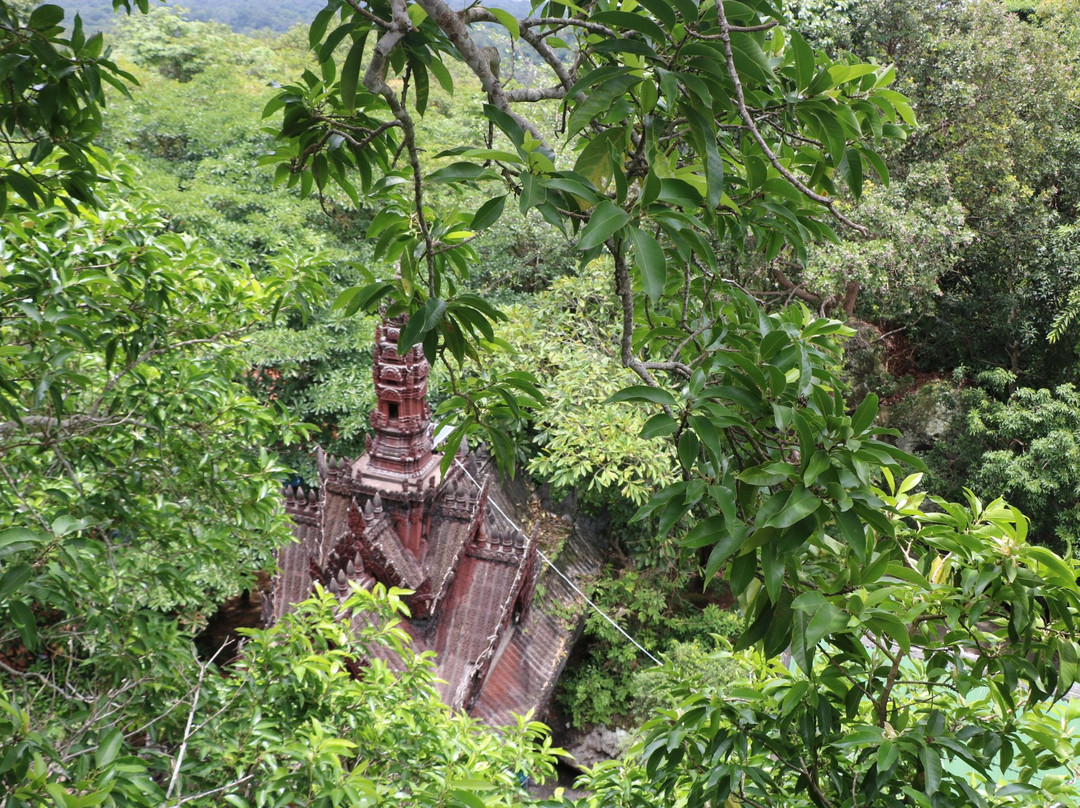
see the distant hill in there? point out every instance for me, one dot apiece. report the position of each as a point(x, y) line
point(243, 16)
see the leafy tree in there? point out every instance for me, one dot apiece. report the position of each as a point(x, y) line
point(994, 96)
point(578, 444)
point(926, 680)
point(1021, 441)
point(647, 174)
point(138, 492)
point(918, 235)
point(687, 127)
point(50, 105)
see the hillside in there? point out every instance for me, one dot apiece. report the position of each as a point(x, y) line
point(243, 16)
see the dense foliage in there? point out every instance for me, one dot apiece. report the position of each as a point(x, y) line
point(706, 166)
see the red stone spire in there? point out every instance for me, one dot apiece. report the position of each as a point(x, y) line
point(401, 421)
point(399, 465)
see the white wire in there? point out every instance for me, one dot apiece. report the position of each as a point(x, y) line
point(558, 571)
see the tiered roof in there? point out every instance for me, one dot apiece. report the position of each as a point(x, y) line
point(389, 517)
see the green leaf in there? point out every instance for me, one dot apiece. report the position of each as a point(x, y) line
point(108, 747)
point(465, 799)
point(596, 163)
point(799, 505)
point(865, 414)
point(421, 322)
point(853, 533)
point(606, 220)
point(818, 463)
point(931, 766)
point(900, 104)
point(725, 547)
point(688, 449)
point(631, 21)
point(704, 130)
point(642, 392)
point(650, 260)
point(706, 532)
point(25, 622)
point(805, 63)
point(600, 98)
point(750, 59)
point(770, 473)
point(14, 578)
point(488, 213)
point(350, 75)
point(326, 50)
point(508, 20)
point(442, 75)
point(662, 10)
point(658, 426)
point(826, 621)
point(360, 297)
point(878, 165)
point(17, 539)
point(457, 172)
point(533, 192)
point(319, 25)
point(507, 124)
point(46, 17)
point(852, 169)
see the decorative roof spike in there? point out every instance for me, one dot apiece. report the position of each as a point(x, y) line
point(342, 581)
point(358, 561)
point(369, 512)
point(350, 569)
point(376, 502)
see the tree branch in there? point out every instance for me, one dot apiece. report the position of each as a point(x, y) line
point(456, 30)
point(748, 119)
point(375, 82)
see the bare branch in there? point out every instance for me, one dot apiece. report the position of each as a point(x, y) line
point(536, 41)
point(47, 425)
point(529, 94)
point(455, 28)
point(179, 762)
point(70, 695)
point(738, 29)
point(368, 15)
point(626, 299)
point(375, 81)
point(558, 23)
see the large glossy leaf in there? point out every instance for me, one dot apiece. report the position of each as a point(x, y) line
point(606, 220)
point(649, 258)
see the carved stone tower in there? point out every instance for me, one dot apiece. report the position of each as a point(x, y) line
point(400, 464)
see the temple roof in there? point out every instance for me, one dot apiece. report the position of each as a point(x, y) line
point(390, 517)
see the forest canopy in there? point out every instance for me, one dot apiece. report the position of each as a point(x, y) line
point(654, 264)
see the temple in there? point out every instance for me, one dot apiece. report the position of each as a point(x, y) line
point(391, 517)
